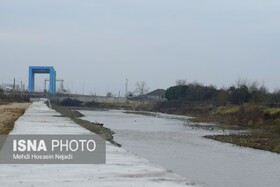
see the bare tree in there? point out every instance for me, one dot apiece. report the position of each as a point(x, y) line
point(181, 82)
point(253, 86)
point(241, 82)
point(141, 88)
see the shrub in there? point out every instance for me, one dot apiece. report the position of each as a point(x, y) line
point(71, 102)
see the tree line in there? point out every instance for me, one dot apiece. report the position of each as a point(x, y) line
point(242, 91)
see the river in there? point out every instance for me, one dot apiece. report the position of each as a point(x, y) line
point(166, 140)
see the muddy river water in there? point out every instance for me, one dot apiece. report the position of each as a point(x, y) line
point(166, 140)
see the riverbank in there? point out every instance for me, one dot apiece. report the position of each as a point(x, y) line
point(261, 124)
point(96, 128)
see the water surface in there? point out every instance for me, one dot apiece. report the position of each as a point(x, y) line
point(167, 141)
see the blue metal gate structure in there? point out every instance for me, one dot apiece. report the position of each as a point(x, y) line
point(42, 70)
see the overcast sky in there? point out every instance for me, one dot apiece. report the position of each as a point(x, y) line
point(96, 44)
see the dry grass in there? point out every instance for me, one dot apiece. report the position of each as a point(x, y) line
point(9, 113)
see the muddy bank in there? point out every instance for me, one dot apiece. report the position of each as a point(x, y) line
point(9, 113)
point(257, 140)
point(96, 128)
point(262, 124)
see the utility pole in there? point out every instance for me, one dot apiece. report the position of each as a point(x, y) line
point(126, 87)
point(14, 87)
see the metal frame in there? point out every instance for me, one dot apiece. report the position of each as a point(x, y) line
point(42, 70)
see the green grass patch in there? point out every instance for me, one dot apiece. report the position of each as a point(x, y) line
point(271, 112)
point(225, 110)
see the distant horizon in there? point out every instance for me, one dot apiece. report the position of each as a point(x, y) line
point(235, 83)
